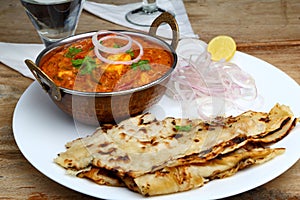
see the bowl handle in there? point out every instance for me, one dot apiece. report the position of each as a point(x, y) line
point(168, 18)
point(44, 80)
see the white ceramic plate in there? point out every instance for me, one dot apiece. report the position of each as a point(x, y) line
point(41, 131)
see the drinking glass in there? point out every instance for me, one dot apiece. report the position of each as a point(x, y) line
point(144, 15)
point(53, 19)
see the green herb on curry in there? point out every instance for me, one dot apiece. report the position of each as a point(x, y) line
point(72, 52)
point(130, 52)
point(86, 65)
point(142, 65)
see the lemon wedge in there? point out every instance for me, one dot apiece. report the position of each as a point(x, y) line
point(221, 47)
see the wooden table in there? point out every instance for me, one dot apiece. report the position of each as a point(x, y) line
point(268, 29)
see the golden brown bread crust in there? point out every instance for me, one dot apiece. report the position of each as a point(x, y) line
point(102, 177)
point(187, 177)
point(146, 154)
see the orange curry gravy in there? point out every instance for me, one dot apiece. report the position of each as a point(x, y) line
point(77, 67)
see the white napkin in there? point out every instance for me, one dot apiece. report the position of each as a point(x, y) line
point(116, 14)
point(13, 55)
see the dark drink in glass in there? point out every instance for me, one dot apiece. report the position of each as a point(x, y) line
point(53, 19)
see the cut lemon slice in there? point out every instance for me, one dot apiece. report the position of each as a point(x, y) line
point(221, 47)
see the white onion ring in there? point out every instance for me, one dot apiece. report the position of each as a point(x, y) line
point(103, 48)
point(98, 54)
point(99, 47)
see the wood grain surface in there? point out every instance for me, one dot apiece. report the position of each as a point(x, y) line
point(267, 29)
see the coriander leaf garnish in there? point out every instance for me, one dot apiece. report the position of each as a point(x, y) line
point(183, 128)
point(72, 52)
point(86, 65)
point(77, 63)
point(116, 46)
point(145, 67)
point(142, 65)
point(130, 52)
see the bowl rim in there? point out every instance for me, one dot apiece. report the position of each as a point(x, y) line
point(114, 93)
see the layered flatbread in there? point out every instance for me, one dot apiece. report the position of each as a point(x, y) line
point(185, 177)
point(141, 148)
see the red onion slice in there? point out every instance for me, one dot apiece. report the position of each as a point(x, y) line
point(212, 86)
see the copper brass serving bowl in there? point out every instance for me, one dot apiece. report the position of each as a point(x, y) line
point(107, 107)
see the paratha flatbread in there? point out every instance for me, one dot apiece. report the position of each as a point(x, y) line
point(159, 157)
point(186, 177)
point(143, 144)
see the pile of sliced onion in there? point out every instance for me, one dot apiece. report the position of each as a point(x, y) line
point(99, 48)
point(212, 87)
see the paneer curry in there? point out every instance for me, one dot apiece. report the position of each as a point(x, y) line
point(111, 62)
